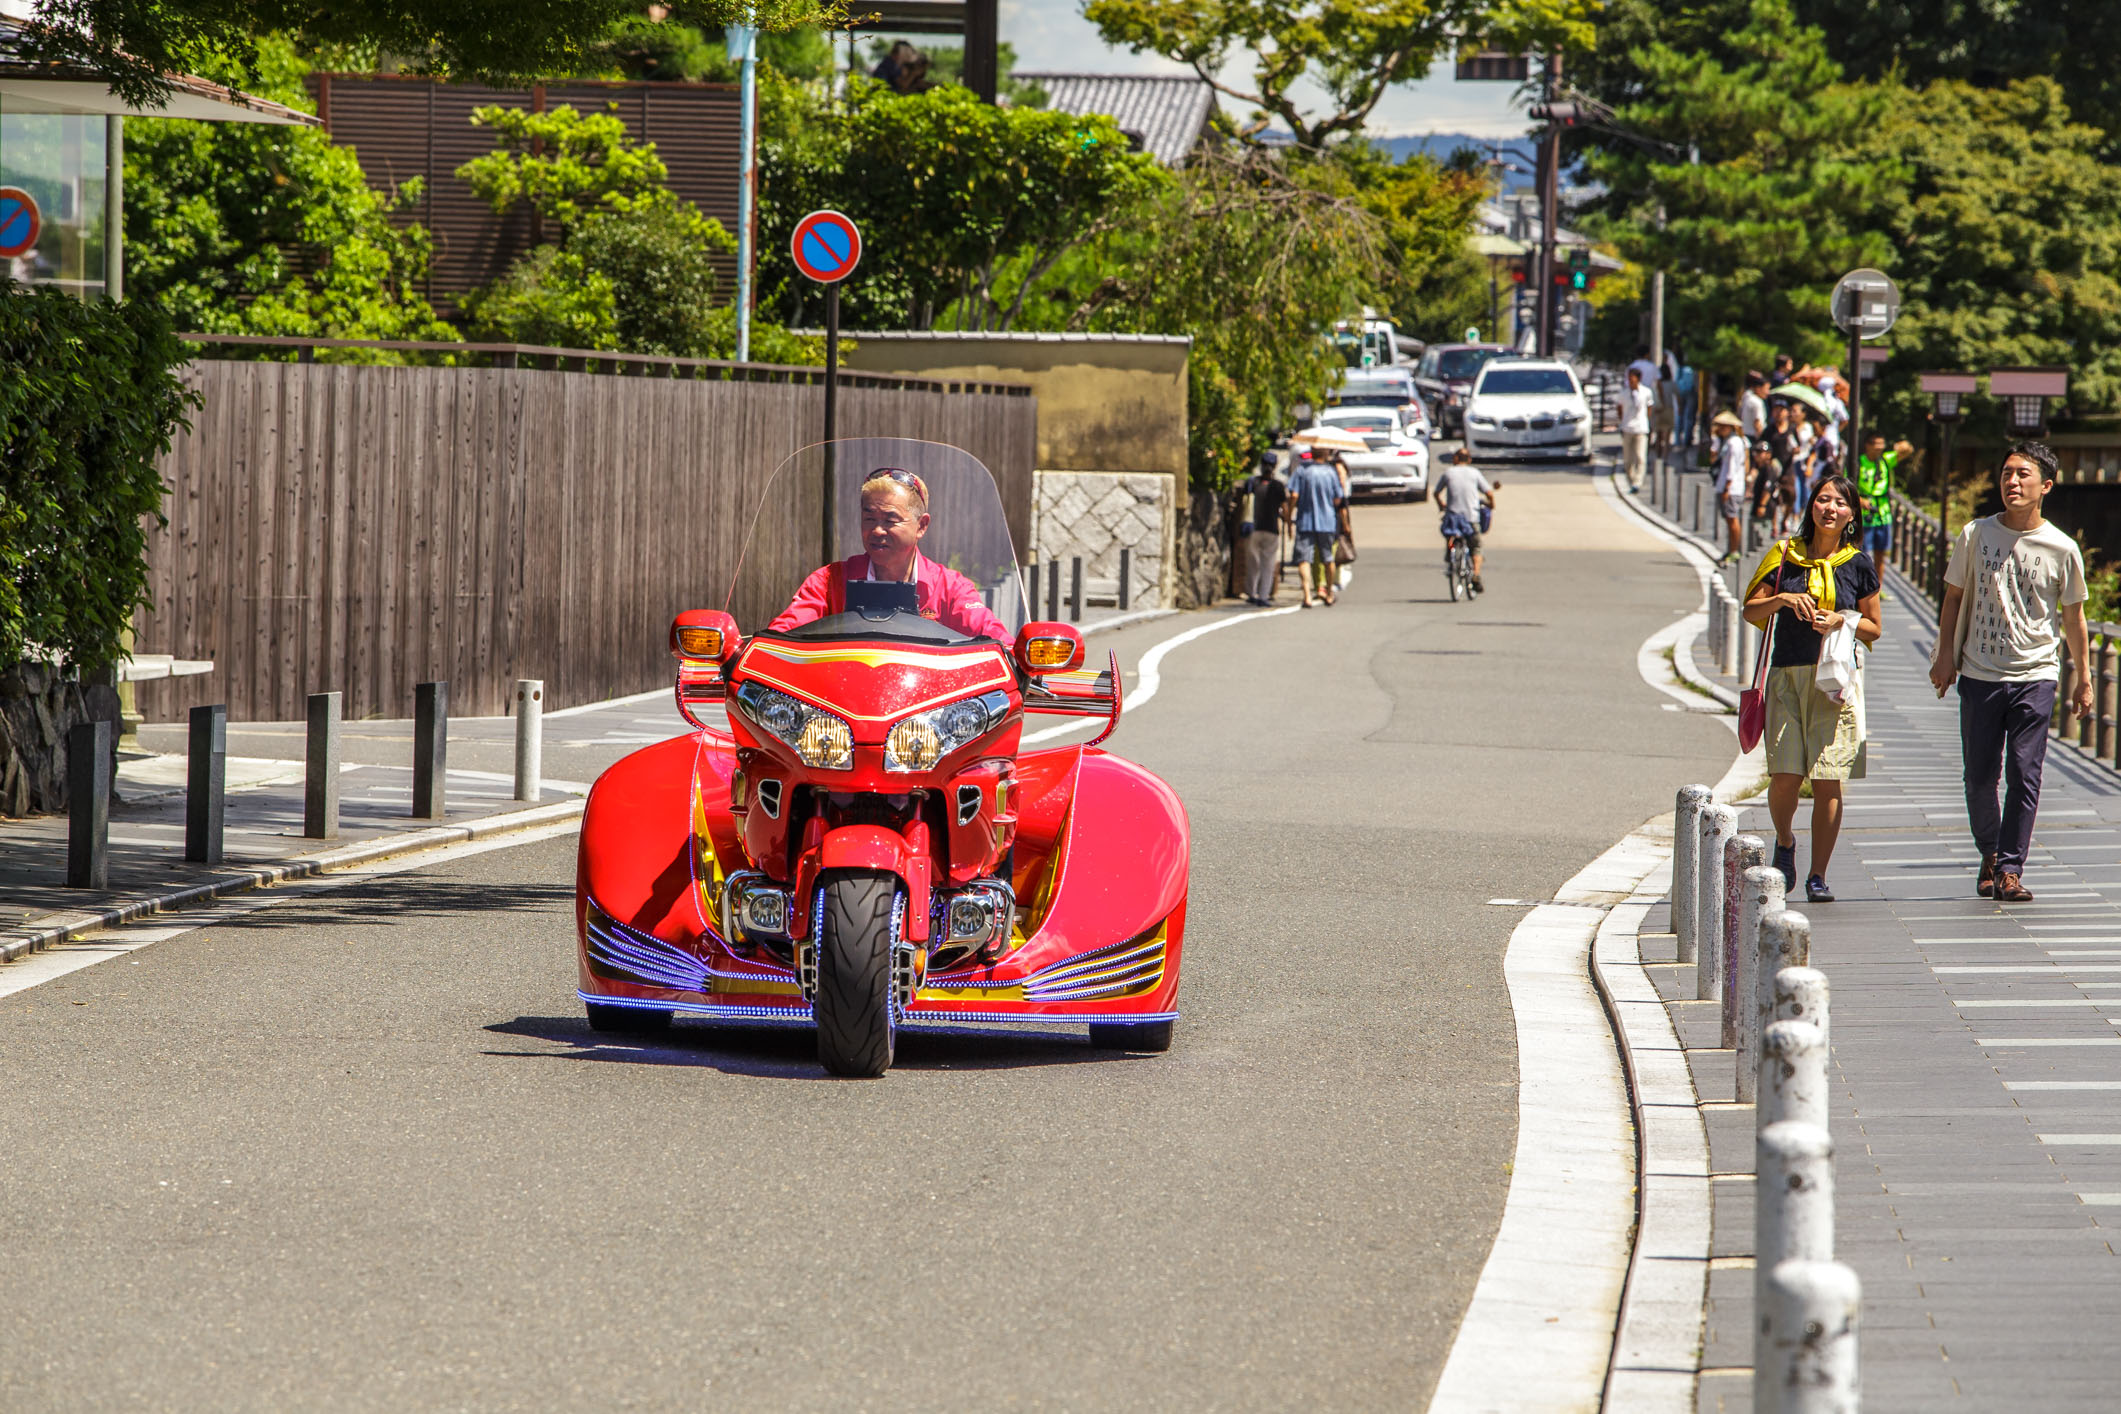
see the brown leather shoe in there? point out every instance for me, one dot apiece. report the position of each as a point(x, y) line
point(1986, 884)
point(2011, 889)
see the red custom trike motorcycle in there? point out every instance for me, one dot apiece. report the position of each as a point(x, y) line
point(859, 835)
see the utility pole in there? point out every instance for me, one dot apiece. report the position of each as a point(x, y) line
point(743, 41)
point(1557, 116)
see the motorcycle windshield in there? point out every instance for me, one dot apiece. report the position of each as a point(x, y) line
point(941, 499)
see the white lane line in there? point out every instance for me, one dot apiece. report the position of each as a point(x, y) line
point(588, 707)
point(103, 944)
point(2072, 1001)
point(2027, 1042)
point(2084, 1139)
point(1149, 672)
point(2084, 952)
point(2100, 1200)
point(2053, 969)
point(2062, 1084)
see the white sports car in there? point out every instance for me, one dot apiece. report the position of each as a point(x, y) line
point(1530, 407)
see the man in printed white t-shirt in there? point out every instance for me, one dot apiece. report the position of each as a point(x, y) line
point(2013, 594)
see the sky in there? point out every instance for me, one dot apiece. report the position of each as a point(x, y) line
point(1052, 35)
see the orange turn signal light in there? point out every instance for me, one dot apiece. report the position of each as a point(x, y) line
point(694, 642)
point(1049, 652)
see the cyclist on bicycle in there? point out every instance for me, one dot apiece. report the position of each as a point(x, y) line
point(1461, 494)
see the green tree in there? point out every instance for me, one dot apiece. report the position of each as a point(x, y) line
point(1352, 50)
point(1753, 235)
point(136, 44)
point(2005, 237)
point(1432, 284)
point(964, 206)
point(238, 228)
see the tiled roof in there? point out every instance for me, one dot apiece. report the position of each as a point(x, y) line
point(1166, 111)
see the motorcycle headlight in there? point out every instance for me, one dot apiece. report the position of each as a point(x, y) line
point(822, 740)
point(916, 743)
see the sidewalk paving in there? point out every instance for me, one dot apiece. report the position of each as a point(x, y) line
point(1976, 1075)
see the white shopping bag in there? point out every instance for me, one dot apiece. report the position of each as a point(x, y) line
point(1837, 661)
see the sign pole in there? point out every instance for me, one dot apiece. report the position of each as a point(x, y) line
point(1855, 382)
point(832, 411)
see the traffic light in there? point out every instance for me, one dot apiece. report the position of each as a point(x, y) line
point(1563, 115)
point(1579, 267)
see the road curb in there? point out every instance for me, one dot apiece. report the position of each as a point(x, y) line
point(58, 928)
point(1704, 566)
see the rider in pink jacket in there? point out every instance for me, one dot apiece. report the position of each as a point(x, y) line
point(894, 518)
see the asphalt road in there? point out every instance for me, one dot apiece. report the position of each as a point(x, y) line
point(361, 1151)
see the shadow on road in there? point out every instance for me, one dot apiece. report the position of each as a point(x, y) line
point(790, 1052)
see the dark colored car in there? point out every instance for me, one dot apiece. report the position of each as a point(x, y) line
point(1444, 378)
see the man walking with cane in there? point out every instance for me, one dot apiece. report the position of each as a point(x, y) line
point(2013, 593)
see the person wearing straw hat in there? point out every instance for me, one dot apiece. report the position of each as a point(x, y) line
point(1806, 588)
point(1730, 484)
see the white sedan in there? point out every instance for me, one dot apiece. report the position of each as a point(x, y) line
point(1531, 407)
point(1396, 462)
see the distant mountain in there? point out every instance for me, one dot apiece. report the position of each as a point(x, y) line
point(1442, 145)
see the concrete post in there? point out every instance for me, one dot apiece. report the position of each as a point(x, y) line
point(88, 806)
point(1727, 654)
point(1801, 995)
point(1053, 588)
point(530, 737)
point(1793, 1201)
point(1126, 575)
point(1718, 824)
point(1712, 624)
point(1748, 648)
point(1784, 939)
point(205, 783)
point(1759, 900)
point(430, 749)
point(1075, 590)
point(1792, 1074)
point(320, 776)
point(1740, 853)
point(1686, 860)
point(1804, 1357)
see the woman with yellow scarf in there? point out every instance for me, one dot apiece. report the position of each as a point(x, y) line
point(1808, 586)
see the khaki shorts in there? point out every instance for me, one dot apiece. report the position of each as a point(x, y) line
point(1810, 734)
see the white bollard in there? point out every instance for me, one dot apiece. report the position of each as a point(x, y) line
point(1801, 995)
point(1759, 900)
point(1686, 860)
point(530, 737)
point(1718, 824)
point(1727, 655)
point(1748, 647)
point(1783, 939)
point(1793, 1082)
point(1740, 853)
point(1804, 1356)
point(1793, 1200)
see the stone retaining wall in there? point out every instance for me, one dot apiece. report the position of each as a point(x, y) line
point(37, 709)
point(1096, 514)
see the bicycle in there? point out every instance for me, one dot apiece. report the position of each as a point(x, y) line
point(1458, 569)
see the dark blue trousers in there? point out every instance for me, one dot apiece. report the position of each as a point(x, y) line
point(2003, 731)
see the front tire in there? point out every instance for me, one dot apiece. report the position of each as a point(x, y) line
point(856, 1033)
point(1152, 1036)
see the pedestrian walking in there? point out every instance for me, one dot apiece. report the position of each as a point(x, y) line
point(2013, 595)
point(1344, 536)
point(1643, 365)
point(1752, 406)
point(1808, 588)
point(1874, 482)
point(1686, 385)
point(1837, 412)
point(1819, 456)
point(1635, 401)
point(1730, 478)
point(1316, 501)
point(1262, 531)
point(1766, 485)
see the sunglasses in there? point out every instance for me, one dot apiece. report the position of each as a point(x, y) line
point(902, 477)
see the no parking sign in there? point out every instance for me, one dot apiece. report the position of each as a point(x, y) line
point(20, 223)
point(827, 245)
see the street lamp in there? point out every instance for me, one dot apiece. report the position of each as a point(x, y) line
point(1945, 390)
point(2026, 391)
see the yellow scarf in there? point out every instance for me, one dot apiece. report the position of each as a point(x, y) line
point(1820, 572)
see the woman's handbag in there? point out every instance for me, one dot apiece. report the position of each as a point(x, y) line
point(1344, 542)
point(1752, 703)
point(1836, 675)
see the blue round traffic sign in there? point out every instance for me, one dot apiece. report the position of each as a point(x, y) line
point(20, 222)
point(827, 246)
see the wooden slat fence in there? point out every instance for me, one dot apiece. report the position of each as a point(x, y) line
point(365, 528)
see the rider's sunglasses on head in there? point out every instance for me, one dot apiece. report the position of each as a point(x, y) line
point(904, 478)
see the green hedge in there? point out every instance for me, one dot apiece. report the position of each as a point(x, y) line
point(89, 397)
